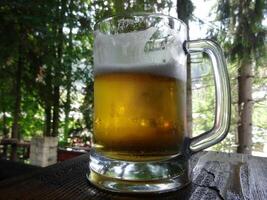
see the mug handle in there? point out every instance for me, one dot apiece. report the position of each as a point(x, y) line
point(223, 98)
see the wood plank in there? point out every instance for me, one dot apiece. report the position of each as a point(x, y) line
point(257, 179)
point(233, 176)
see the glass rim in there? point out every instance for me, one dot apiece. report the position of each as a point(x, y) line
point(138, 14)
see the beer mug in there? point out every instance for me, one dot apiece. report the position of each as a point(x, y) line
point(140, 142)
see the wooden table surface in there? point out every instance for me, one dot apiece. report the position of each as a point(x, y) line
point(214, 176)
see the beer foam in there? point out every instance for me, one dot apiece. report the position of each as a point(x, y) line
point(167, 70)
point(153, 51)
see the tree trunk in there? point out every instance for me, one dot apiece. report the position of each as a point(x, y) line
point(5, 130)
point(16, 112)
point(245, 106)
point(56, 94)
point(68, 102)
point(88, 104)
point(69, 81)
point(55, 111)
point(47, 100)
point(184, 10)
point(189, 118)
point(47, 129)
point(5, 133)
point(67, 112)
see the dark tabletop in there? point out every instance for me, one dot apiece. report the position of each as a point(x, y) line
point(214, 176)
point(10, 169)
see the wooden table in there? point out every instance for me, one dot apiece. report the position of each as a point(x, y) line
point(10, 169)
point(214, 176)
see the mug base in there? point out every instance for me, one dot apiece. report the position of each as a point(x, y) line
point(138, 177)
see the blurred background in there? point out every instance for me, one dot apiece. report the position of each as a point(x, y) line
point(46, 70)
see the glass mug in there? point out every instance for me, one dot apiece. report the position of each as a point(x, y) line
point(140, 142)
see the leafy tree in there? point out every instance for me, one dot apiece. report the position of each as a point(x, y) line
point(243, 39)
point(46, 59)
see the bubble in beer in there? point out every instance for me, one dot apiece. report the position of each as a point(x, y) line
point(152, 117)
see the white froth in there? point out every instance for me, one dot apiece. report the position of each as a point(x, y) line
point(130, 52)
point(123, 48)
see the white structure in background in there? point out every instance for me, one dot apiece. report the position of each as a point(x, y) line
point(43, 151)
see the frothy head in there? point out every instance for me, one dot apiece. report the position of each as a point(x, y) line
point(156, 50)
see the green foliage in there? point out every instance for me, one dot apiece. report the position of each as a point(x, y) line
point(243, 37)
point(185, 9)
point(57, 53)
point(203, 97)
point(242, 28)
point(260, 105)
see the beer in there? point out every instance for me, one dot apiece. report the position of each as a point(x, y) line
point(137, 115)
